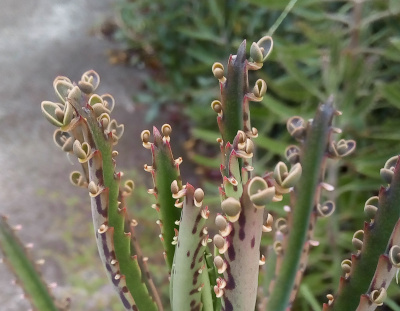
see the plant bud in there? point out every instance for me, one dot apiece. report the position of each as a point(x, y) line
point(218, 70)
point(378, 296)
point(255, 53)
point(260, 88)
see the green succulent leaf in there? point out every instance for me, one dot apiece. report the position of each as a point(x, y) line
point(36, 290)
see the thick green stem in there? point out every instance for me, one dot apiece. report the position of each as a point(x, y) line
point(129, 267)
point(189, 268)
point(375, 242)
point(165, 170)
point(28, 277)
point(233, 92)
point(315, 146)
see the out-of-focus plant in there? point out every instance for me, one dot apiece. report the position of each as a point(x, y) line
point(346, 48)
point(183, 43)
point(349, 49)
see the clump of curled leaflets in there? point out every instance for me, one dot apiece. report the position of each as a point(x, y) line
point(86, 130)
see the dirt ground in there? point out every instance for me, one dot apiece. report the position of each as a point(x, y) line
point(39, 40)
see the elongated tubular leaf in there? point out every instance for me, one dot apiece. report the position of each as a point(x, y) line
point(375, 241)
point(232, 95)
point(36, 290)
point(275, 261)
point(136, 250)
point(113, 242)
point(269, 274)
point(315, 144)
point(100, 204)
point(384, 273)
point(303, 258)
point(189, 271)
point(243, 257)
point(241, 227)
point(164, 170)
point(210, 302)
point(309, 237)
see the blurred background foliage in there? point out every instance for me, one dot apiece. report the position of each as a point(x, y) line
point(350, 49)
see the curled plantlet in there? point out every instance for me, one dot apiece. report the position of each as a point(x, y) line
point(218, 72)
point(62, 86)
point(220, 243)
point(98, 105)
point(177, 192)
point(387, 171)
point(281, 225)
point(108, 101)
point(326, 209)
point(267, 227)
point(394, 256)
point(371, 207)
point(223, 226)
point(296, 128)
point(357, 240)
point(278, 247)
point(231, 208)
point(259, 90)
point(378, 296)
point(198, 197)
point(57, 114)
point(286, 179)
point(217, 107)
point(260, 51)
point(82, 151)
point(128, 188)
point(260, 193)
point(346, 266)
point(64, 140)
point(115, 131)
point(341, 148)
point(104, 119)
point(77, 179)
point(166, 131)
point(331, 299)
point(292, 153)
point(94, 190)
point(145, 136)
point(220, 264)
point(89, 82)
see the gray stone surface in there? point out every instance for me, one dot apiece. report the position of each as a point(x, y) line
point(39, 40)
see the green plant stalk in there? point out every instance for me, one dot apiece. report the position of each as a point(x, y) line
point(269, 270)
point(384, 273)
point(281, 17)
point(212, 277)
point(189, 271)
point(316, 142)
point(241, 227)
point(142, 261)
point(243, 258)
point(375, 242)
point(129, 267)
point(85, 116)
point(232, 93)
point(27, 274)
point(208, 298)
point(164, 171)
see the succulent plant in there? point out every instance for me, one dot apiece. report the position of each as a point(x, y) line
point(219, 272)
